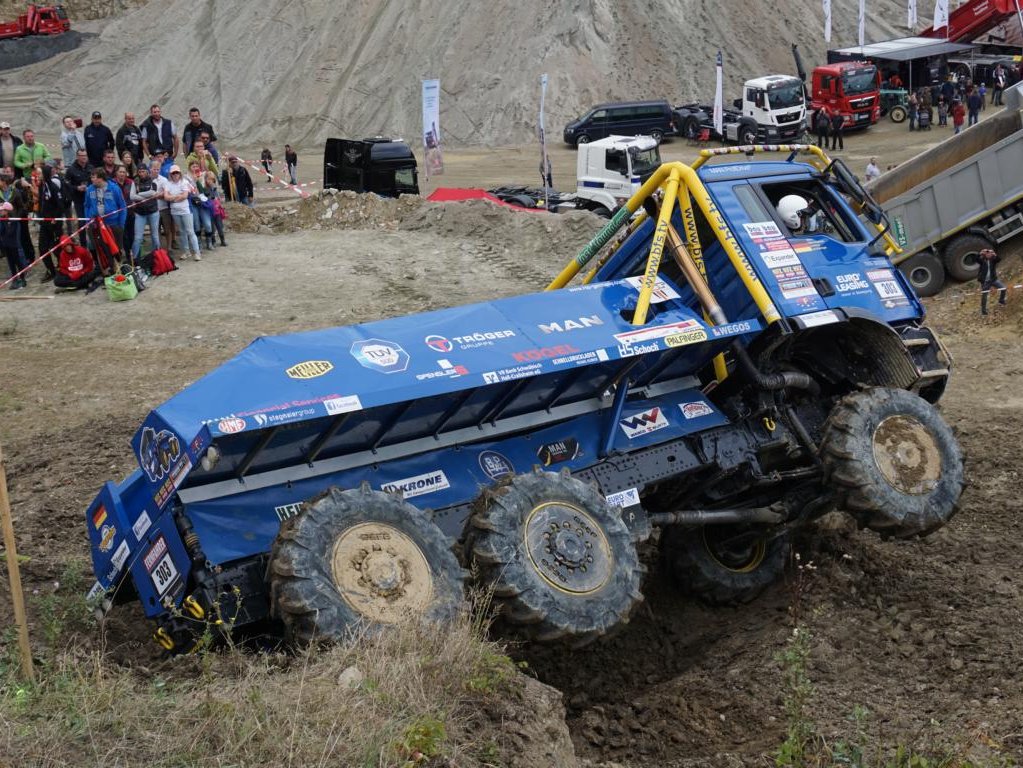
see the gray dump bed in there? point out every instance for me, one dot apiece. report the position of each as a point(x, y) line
point(965, 180)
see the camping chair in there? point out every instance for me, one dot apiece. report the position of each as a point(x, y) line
point(702, 137)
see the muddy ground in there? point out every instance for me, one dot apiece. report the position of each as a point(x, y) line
point(924, 634)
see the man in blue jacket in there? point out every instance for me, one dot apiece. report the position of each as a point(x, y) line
point(103, 199)
point(98, 139)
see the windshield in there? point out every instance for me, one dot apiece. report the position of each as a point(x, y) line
point(859, 81)
point(789, 94)
point(644, 161)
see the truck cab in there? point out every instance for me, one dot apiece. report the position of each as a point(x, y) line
point(610, 171)
point(772, 109)
point(381, 165)
point(852, 88)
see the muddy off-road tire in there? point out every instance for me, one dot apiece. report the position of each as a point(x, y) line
point(560, 560)
point(719, 566)
point(893, 461)
point(360, 557)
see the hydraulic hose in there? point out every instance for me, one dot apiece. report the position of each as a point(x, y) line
point(773, 381)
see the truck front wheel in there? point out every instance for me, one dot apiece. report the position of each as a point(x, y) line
point(559, 558)
point(723, 564)
point(360, 557)
point(893, 462)
point(747, 135)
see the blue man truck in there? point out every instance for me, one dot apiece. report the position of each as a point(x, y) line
point(725, 369)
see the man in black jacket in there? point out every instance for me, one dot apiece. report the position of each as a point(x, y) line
point(837, 131)
point(129, 139)
point(98, 139)
point(194, 129)
point(987, 276)
point(236, 182)
point(78, 177)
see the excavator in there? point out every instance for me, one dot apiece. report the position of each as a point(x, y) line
point(37, 20)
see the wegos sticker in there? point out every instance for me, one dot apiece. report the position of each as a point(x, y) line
point(310, 369)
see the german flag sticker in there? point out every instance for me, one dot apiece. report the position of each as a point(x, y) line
point(99, 516)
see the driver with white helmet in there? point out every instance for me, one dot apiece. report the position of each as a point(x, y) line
point(794, 211)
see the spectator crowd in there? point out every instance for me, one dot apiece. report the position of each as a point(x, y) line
point(95, 199)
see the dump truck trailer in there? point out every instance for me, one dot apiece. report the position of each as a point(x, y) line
point(958, 197)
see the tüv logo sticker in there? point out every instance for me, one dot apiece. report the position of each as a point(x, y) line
point(380, 355)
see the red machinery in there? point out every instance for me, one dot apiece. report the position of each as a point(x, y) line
point(37, 20)
point(852, 88)
point(970, 21)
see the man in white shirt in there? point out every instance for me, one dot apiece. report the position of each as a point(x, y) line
point(873, 170)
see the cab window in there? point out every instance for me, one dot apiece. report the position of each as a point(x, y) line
point(615, 160)
point(822, 215)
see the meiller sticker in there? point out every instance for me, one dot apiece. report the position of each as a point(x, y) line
point(418, 485)
point(309, 369)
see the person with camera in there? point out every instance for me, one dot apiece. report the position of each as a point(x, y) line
point(987, 276)
point(71, 140)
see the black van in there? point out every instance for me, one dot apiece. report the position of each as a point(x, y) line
point(626, 118)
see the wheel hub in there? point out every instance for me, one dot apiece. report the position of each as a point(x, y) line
point(907, 454)
point(568, 548)
point(740, 553)
point(381, 572)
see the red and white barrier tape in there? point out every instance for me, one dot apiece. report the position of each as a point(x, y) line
point(978, 292)
point(296, 188)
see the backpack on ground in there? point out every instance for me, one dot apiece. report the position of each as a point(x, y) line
point(162, 262)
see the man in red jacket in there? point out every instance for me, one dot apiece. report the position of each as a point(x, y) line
point(77, 269)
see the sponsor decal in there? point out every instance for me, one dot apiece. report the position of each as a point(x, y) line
point(447, 370)
point(583, 358)
point(99, 516)
point(495, 466)
point(686, 337)
point(571, 324)
point(626, 350)
point(152, 557)
point(510, 374)
point(265, 419)
point(794, 282)
point(284, 511)
point(662, 291)
point(762, 230)
point(120, 556)
point(380, 355)
point(106, 537)
point(623, 499)
point(643, 423)
point(346, 404)
point(94, 592)
point(812, 319)
point(418, 485)
point(157, 452)
point(160, 566)
point(177, 476)
point(439, 343)
point(544, 353)
point(733, 329)
point(230, 426)
point(851, 282)
point(443, 344)
point(887, 286)
point(695, 409)
point(559, 451)
point(656, 332)
point(310, 369)
point(141, 525)
point(775, 259)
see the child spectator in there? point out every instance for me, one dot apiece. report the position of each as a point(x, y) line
point(982, 90)
point(77, 269)
point(942, 112)
point(216, 206)
point(958, 115)
point(9, 236)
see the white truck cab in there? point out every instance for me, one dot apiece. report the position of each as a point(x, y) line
point(611, 170)
point(776, 104)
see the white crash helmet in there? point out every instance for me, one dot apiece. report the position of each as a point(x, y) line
point(789, 208)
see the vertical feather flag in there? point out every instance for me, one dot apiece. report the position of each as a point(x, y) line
point(911, 15)
point(719, 104)
point(827, 20)
point(941, 15)
point(862, 22)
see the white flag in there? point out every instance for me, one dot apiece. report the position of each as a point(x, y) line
point(940, 14)
point(827, 20)
point(862, 20)
point(434, 159)
point(911, 14)
point(719, 104)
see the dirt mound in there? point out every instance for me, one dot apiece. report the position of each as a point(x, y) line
point(310, 69)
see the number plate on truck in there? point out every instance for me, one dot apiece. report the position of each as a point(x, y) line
point(160, 566)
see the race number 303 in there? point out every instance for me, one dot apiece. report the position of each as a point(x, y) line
point(164, 574)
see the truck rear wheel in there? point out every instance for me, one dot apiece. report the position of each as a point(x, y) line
point(897, 113)
point(723, 564)
point(560, 559)
point(893, 462)
point(360, 557)
point(962, 256)
point(924, 272)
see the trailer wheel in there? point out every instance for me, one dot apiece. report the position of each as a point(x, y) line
point(360, 557)
point(724, 564)
point(924, 272)
point(582, 138)
point(893, 462)
point(962, 256)
point(897, 113)
point(560, 559)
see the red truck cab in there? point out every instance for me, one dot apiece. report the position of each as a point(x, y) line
point(850, 87)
